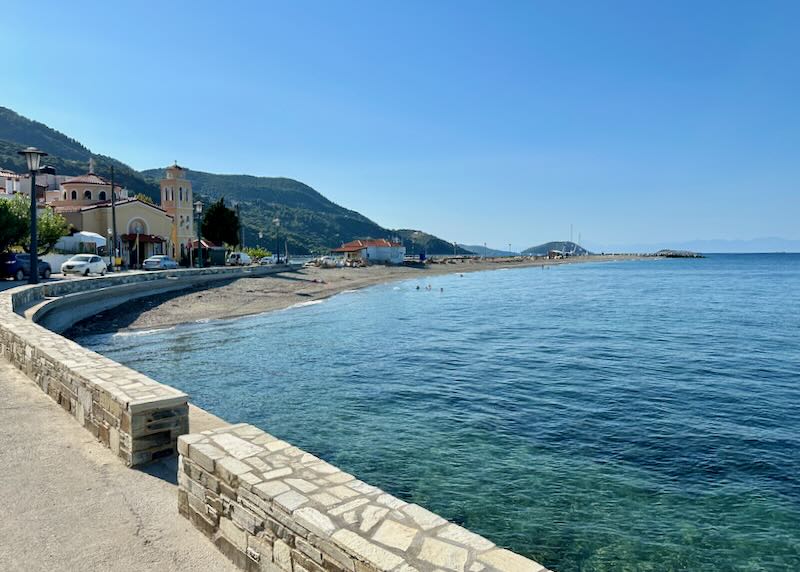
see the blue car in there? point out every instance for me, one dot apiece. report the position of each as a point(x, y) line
point(18, 266)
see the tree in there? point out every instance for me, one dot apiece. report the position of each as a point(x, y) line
point(220, 224)
point(12, 228)
point(50, 226)
point(144, 198)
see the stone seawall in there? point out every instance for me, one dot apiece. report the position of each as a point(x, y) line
point(272, 507)
point(267, 505)
point(138, 418)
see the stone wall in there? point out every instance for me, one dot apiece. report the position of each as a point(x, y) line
point(138, 418)
point(272, 507)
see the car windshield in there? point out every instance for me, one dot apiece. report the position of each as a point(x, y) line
point(81, 258)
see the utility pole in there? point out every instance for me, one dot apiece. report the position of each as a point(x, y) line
point(113, 217)
point(241, 226)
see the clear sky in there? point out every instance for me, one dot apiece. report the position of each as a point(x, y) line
point(636, 122)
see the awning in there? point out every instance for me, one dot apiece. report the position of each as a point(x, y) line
point(143, 238)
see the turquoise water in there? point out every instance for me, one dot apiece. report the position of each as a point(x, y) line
point(620, 416)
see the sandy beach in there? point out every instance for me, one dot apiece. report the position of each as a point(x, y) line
point(247, 296)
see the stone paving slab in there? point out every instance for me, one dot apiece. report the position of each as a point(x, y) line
point(271, 506)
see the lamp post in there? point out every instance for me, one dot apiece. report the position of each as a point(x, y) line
point(260, 238)
point(277, 222)
point(109, 247)
point(33, 156)
point(114, 242)
point(198, 209)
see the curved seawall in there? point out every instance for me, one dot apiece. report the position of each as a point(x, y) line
point(266, 504)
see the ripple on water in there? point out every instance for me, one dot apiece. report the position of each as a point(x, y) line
point(632, 416)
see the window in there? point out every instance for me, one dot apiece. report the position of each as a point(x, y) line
point(180, 194)
point(87, 195)
point(65, 195)
point(102, 195)
point(74, 195)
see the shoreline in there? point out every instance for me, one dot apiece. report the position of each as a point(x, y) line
point(250, 296)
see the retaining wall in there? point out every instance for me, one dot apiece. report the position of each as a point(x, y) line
point(267, 505)
point(273, 507)
point(138, 418)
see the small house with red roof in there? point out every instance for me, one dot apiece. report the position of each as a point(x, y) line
point(372, 251)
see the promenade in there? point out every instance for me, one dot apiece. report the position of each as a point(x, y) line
point(68, 503)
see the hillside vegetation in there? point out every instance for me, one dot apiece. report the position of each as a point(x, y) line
point(309, 221)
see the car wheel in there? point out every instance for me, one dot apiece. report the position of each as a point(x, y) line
point(103, 272)
point(19, 275)
point(86, 273)
point(46, 273)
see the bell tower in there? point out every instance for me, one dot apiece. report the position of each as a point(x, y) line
point(176, 199)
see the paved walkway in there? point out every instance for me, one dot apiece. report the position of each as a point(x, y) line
point(66, 503)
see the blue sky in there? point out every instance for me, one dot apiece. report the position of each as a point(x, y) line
point(505, 122)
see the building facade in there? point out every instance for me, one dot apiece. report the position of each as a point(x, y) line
point(177, 201)
point(373, 251)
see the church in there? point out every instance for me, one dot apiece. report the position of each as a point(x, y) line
point(143, 229)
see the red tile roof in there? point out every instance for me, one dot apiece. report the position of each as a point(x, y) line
point(356, 245)
point(87, 179)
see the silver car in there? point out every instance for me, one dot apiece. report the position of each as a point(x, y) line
point(159, 262)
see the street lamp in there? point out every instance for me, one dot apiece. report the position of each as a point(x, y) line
point(260, 237)
point(34, 158)
point(109, 247)
point(198, 209)
point(277, 222)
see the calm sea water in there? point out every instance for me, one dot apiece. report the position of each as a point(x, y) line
point(618, 416)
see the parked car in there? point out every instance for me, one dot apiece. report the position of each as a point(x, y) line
point(18, 266)
point(159, 262)
point(239, 259)
point(84, 264)
point(267, 260)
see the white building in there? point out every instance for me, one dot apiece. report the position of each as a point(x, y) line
point(373, 251)
point(9, 183)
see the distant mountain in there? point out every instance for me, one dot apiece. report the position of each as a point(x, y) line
point(65, 154)
point(563, 246)
point(767, 244)
point(309, 221)
point(491, 252)
point(417, 241)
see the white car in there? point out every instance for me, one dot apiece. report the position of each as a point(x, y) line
point(84, 264)
point(239, 259)
point(159, 262)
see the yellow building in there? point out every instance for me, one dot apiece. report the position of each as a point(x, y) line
point(176, 200)
point(143, 229)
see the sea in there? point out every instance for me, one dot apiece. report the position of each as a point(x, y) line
point(636, 415)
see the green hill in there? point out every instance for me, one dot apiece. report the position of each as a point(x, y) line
point(309, 221)
point(563, 246)
point(66, 155)
point(416, 241)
